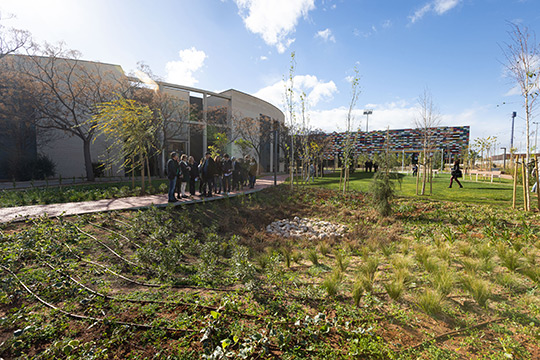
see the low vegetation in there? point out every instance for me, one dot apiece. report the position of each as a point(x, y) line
point(434, 280)
point(75, 193)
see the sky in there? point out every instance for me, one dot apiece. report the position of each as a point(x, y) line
point(452, 49)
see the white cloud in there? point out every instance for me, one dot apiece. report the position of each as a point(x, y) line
point(438, 6)
point(396, 115)
point(263, 58)
point(316, 91)
point(442, 6)
point(326, 35)
point(274, 20)
point(181, 72)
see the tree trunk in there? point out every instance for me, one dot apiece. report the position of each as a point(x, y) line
point(132, 172)
point(418, 178)
point(537, 181)
point(88, 159)
point(424, 175)
point(142, 173)
point(430, 178)
point(514, 191)
point(525, 189)
point(149, 175)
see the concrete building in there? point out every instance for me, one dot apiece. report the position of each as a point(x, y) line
point(194, 114)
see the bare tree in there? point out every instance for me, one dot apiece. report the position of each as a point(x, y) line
point(12, 40)
point(65, 91)
point(522, 55)
point(291, 116)
point(350, 138)
point(254, 132)
point(426, 122)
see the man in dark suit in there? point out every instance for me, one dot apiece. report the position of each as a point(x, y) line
point(172, 172)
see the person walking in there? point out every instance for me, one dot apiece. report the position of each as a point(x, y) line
point(172, 171)
point(456, 173)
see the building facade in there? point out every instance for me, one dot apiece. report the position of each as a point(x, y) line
point(191, 115)
point(452, 141)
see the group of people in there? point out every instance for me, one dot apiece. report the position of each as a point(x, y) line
point(371, 166)
point(213, 174)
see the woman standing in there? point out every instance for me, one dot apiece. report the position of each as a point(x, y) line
point(193, 175)
point(252, 171)
point(218, 175)
point(184, 172)
point(456, 173)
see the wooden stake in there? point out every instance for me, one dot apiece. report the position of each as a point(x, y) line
point(524, 174)
point(514, 192)
point(537, 181)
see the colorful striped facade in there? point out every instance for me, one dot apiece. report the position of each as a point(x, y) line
point(452, 139)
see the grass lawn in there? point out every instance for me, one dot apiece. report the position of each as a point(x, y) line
point(481, 192)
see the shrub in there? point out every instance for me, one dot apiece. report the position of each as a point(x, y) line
point(382, 192)
point(98, 168)
point(313, 256)
point(342, 261)
point(324, 248)
point(444, 281)
point(332, 282)
point(478, 288)
point(430, 301)
point(395, 287)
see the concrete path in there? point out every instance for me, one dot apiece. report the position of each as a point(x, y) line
point(21, 213)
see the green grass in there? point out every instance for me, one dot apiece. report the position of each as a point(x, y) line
point(481, 192)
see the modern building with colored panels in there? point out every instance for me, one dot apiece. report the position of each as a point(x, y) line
point(451, 140)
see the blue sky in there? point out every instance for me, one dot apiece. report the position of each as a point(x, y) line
point(400, 47)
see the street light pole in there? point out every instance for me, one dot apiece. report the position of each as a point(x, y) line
point(367, 113)
point(514, 114)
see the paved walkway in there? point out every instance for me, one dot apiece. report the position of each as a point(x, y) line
point(21, 213)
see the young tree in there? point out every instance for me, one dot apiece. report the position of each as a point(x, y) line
point(131, 128)
point(290, 103)
point(429, 118)
point(522, 55)
point(350, 139)
point(65, 91)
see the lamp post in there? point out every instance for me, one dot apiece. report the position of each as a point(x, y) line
point(367, 113)
point(514, 114)
point(504, 158)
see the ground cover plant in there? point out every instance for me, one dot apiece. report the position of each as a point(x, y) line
point(434, 280)
point(75, 193)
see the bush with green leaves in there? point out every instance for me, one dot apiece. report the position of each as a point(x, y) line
point(382, 192)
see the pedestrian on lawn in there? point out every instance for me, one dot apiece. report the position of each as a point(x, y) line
point(456, 173)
